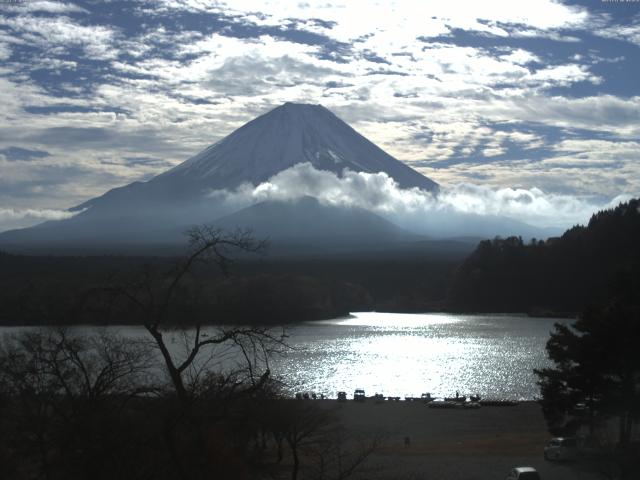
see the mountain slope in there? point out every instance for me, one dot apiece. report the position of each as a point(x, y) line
point(285, 136)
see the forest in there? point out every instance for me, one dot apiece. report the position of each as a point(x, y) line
point(255, 289)
point(588, 265)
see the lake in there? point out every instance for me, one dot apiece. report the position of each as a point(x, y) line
point(400, 354)
point(409, 354)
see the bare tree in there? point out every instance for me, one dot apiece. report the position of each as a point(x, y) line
point(58, 387)
point(209, 368)
point(153, 294)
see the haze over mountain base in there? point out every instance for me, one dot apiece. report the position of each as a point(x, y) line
point(303, 178)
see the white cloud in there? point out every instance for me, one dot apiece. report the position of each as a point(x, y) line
point(599, 149)
point(493, 151)
point(562, 75)
point(5, 51)
point(50, 33)
point(527, 32)
point(399, 18)
point(416, 208)
point(593, 168)
point(605, 113)
point(601, 25)
point(11, 218)
point(44, 6)
point(520, 57)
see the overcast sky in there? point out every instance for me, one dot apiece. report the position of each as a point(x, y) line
point(524, 94)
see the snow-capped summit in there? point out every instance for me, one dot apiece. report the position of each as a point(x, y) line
point(290, 134)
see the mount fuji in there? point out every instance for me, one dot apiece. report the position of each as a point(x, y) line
point(160, 210)
point(283, 137)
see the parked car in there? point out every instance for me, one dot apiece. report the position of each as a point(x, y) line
point(561, 449)
point(523, 473)
point(358, 395)
point(342, 396)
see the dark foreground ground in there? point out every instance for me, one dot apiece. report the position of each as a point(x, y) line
point(453, 444)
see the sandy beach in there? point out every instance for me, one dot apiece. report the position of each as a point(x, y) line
point(452, 444)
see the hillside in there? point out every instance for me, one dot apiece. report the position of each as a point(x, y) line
point(587, 265)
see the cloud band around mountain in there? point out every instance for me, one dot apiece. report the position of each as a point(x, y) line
point(457, 210)
point(416, 208)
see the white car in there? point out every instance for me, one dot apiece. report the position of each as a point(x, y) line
point(523, 473)
point(561, 448)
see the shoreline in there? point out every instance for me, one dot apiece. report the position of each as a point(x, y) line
point(549, 315)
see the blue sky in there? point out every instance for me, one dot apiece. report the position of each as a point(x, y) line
point(533, 95)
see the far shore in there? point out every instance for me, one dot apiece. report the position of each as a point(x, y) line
point(553, 315)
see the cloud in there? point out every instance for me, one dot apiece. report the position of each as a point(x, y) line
point(398, 20)
point(608, 113)
point(22, 154)
point(493, 151)
point(250, 75)
point(5, 51)
point(624, 33)
point(520, 57)
point(44, 6)
point(562, 75)
point(61, 32)
point(415, 208)
point(11, 218)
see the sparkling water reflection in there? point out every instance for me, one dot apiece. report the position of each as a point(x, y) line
point(408, 354)
point(403, 354)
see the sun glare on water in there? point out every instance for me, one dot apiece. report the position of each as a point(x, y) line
point(410, 354)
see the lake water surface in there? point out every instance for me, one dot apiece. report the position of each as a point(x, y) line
point(408, 354)
point(400, 354)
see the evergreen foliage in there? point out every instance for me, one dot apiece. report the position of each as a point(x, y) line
point(585, 266)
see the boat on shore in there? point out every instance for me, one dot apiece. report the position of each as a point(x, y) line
point(426, 398)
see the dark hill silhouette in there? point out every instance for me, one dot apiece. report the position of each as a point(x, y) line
point(587, 265)
point(308, 222)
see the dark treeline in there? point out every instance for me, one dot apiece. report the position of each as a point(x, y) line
point(55, 290)
point(587, 265)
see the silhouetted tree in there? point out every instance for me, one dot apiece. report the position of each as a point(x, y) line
point(167, 303)
point(153, 294)
point(597, 363)
point(67, 395)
